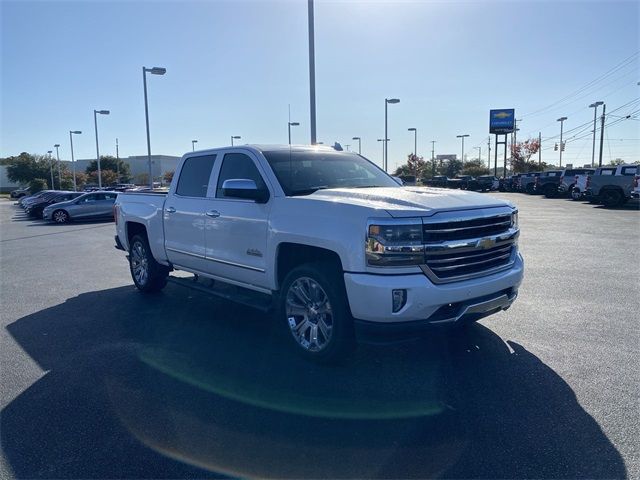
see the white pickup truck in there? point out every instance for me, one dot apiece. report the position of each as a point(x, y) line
point(328, 240)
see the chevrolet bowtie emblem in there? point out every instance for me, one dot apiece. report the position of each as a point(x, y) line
point(486, 243)
point(502, 115)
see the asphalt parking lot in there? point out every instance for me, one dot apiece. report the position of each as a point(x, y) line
point(99, 381)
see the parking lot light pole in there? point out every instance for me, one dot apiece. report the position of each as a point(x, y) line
point(235, 137)
point(193, 145)
point(595, 106)
point(561, 120)
point(289, 125)
point(387, 101)
point(95, 124)
point(153, 71)
point(359, 144)
point(462, 137)
point(57, 146)
point(73, 160)
point(479, 153)
point(49, 152)
point(384, 143)
point(415, 140)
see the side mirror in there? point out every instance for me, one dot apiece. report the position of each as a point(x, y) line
point(244, 188)
point(398, 180)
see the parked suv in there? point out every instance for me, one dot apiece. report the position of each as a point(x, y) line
point(528, 182)
point(580, 181)
point(612, 190)
point(547, 183)
point(568, 179)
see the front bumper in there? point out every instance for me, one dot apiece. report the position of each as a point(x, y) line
point(370, 296)
point(46, 215)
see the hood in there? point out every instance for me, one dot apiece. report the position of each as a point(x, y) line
point(410, 201)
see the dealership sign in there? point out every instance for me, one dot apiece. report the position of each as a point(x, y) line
point(502, 121)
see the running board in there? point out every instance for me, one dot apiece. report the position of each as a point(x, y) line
point(244, 296)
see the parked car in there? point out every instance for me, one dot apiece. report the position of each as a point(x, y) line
point(439, 181)
point(527, 182)
point(87, 206)
point(24, 202)
point(488, 183)
point(580, 181)
point(19, 193)
point(636, 186)
point(462, 182)
point(547, 183)
point(510, 183)
point(36, 209)
point(612, 190)
point(281, 227)
point(568, 179)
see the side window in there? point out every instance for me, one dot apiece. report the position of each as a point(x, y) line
point(110, 196)
point(238, 166)
point(89, 199)
point(629, 170)
point(194, 176)
point(98, 197)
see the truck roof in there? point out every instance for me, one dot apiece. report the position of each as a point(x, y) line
point(275, 148)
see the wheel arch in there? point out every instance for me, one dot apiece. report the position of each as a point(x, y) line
point(290, 255)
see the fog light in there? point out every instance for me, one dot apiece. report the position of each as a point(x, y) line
point(399, 299)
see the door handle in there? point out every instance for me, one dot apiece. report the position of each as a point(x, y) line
point(170, 210)
point(213, 213)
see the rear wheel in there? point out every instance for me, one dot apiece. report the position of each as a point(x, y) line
point(148, 275)
point(611, 198)
point(530, 188)
point(60, 216)
point(313, 304)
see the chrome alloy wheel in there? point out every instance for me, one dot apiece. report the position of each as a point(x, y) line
point(309, 314)
point(139, 263)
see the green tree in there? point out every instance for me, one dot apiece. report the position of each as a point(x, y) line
point(415, 167)
point(168, 176)
point(108, 162)
point(26, 167)
point(475, 168)
point(108, 177)
point(37, 185)
point(450, 168)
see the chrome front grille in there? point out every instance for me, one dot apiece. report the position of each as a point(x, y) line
point(461, 229)
point(460, 249)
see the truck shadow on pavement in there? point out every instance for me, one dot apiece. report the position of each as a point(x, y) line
point(180, 385)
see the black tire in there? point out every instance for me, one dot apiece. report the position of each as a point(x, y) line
point(550, 190)
point(147, 274)
point(341, 339)
point(611, 198)
point(60, 216)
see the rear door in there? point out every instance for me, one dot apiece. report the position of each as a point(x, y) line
point(85, 207)
point(184, 213)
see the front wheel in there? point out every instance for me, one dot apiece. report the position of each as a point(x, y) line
point(148, 275)
point(60, 216)
point(550, 191)
point(313, 304)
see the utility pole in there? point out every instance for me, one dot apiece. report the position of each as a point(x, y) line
point(604, 108)
point(489, 150)
point(49, 152)
point(433, 158)
point(561, 120)
point(539, 149)
point(312, 74)
point(595, 106)
point(117, 162)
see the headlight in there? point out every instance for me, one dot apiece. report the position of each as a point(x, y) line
point(395, 245)
point(514, 219)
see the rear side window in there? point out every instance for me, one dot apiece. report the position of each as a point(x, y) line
point(110, 196)
point(629, 170)
point(194, 176)
point(609, 171)
point(236, 166)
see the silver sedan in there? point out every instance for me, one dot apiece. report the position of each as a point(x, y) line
point(88, 206)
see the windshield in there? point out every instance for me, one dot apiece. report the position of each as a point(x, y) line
point(302, 173)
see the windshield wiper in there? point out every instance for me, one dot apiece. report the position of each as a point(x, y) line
point(310, 190)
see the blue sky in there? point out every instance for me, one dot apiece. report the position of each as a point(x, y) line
point(233, 67)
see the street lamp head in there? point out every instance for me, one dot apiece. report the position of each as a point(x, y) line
point(561, 119)
point(412, 129)
point(355, 138)
point(75, 132)
point(102, 112)
point(236, 137)
point(462, 136)
point(194, 141)
point(392, 100)
point(294, 124)
point(596, 104)
point(49, 151)
point(56, 145)
point(156, 70)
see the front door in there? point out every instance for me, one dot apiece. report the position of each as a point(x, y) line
point(236, 229)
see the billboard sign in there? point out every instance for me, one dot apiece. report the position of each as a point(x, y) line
point(502, 121)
